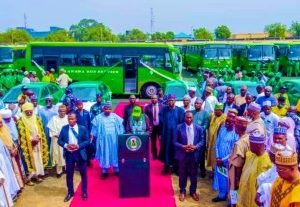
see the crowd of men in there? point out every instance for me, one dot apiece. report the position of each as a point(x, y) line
point(250, 144)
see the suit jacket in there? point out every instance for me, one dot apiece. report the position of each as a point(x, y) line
point(149, 112)
point(243, 108)
point(82, 140)
point(127, 113)
point(181, 139)
point(84, 120)
point(234, 107)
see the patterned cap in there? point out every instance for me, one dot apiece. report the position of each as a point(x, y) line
point(258, 139)
point(254, 107)
point(286, 158)
point(241, 121)
point(98, 95)
point(233, 111)
point(79, 101)
point(33, 97)
point(219, 106)
point(171, 96)
point(280, 130)
point(276, 148)
point(208, 89)
point(107, 104)
point(192, 89)
point(269, 88)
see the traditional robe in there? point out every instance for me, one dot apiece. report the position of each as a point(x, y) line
point(290, 198)
point(106, 130)
point(254, 166)
point(13, 130)
point(56, 151)
point(7, 169)
point(36, 158)
point(264, 182)
point(271, 121)
point(169, 118)
point(215, 123)
point(5, 197)
point(237, 158)
point(224, 144)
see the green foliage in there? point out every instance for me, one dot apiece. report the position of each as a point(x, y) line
point(133, 35)
point(295, 29)
point(12, 36)
point(163, 36)
point(59, 36)
point(276, 30)
point(91, 30)
point(203, 33)
point(222, 32)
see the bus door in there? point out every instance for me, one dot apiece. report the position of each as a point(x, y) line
point(51, 62)
point(130, 66)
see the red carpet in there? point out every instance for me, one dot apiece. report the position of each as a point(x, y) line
point(105, 193)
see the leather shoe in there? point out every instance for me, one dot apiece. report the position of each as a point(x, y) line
point(68, 197)
point(84, 196)
point(181, 197)
point(218, 199)
point(104, 176)
point(195, 196)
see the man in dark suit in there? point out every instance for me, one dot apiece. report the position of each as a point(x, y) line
point(229, 104)
point(74, 139)
point(189, 142)
point(244, 106)
point(128, 110)
point(152, 111)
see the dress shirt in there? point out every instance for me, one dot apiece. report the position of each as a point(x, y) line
point(190, 134)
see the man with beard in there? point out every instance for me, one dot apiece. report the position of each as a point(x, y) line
point(244, 106)
point(281, 108)
point(170, 116)
point(187, 103)
point(266, 97)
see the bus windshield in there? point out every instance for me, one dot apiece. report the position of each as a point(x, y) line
point(6, 55)
point(210, 53)
point(294, 53)
point(224, 53)
point(261, 53)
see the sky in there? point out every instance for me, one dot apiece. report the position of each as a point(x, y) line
point(242, 16)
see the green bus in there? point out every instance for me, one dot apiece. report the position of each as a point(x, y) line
point(192, 56)
point(217, 55)
point(256, 56)
point(12, 56)
point(127, 68)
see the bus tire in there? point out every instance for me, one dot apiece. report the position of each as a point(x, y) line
point(149, 89)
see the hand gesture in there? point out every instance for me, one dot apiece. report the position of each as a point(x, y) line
point(219, 162)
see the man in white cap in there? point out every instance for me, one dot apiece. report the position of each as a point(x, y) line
point(266, 97)
point(26, 78)
point(256, 124)
point(270, 120)
point(63, 79)
point(192, 95)
point(187, 103)
point(10, 124)
point(210, 100)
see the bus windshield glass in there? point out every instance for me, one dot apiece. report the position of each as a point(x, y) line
point(261, 53)
point(210, 53)
point(6, 55)
point(224, 53)
point(294, 53)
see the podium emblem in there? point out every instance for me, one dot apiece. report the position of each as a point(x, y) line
point(133, 143)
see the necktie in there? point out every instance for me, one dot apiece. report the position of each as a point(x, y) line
point(154, 113)
point(74, 132)
point(189, 135)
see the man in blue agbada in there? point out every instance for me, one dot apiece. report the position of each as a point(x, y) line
point(169, 117)
point(105, 129)
point(224, 144)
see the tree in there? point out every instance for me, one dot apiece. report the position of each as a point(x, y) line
point(163, 36)
point(222, 32)
point(59, 36)
point(91, 30)
point(133, 35)
point(203, 33)
point(170, 35)
point(276, 30)
point(295, 29)
point(12, 36)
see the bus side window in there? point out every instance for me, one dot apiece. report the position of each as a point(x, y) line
point(168, 63)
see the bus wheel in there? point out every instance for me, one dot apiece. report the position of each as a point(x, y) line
point(149, 89)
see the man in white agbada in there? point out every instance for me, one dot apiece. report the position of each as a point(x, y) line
point(10, 124)
point(266, 179)
point(270, 120)
point(192, 95)
point(105, 129)
point(5, 197)
point(55, 124)
point(6, 168)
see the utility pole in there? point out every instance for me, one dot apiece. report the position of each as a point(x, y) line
point(151, 21)
point(25, 21)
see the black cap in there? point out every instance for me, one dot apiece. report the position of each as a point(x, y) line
point(281, 99)
point(24, 88)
